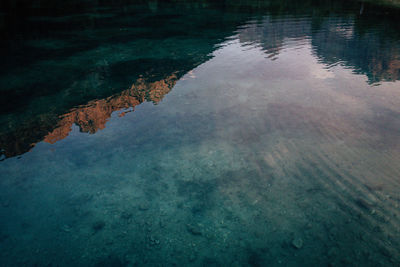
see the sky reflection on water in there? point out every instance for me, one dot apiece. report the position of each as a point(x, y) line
point(348, 40)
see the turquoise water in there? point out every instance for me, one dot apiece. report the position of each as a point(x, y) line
point(200, 133)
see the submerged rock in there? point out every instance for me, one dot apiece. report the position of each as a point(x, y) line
point(154, 241)
point(126, 215)
point(194, 229)
point(297, 243)
point(192, 257)
point(111, 260)
point(162, 223)
point(66, 228)
point(5, 203)
point(144, 206)
point(97, 226)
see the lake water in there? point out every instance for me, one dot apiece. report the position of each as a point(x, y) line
point(199, 133)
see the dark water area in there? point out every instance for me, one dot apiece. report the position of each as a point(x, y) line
point(199, 133)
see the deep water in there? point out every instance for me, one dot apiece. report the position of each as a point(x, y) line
point(199, 133)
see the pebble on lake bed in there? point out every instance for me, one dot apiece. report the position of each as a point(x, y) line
point(144, 206)
point(97, 226)
point(153, 241)
point(297, 243)
point(194, 229)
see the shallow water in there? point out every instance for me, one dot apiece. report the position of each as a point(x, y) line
point(252, 133)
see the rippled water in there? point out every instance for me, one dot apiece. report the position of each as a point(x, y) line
point(235, 133)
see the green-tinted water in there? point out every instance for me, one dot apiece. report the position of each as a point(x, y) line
point(236, 133)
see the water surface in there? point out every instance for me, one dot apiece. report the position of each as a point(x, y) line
point(252, 133)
